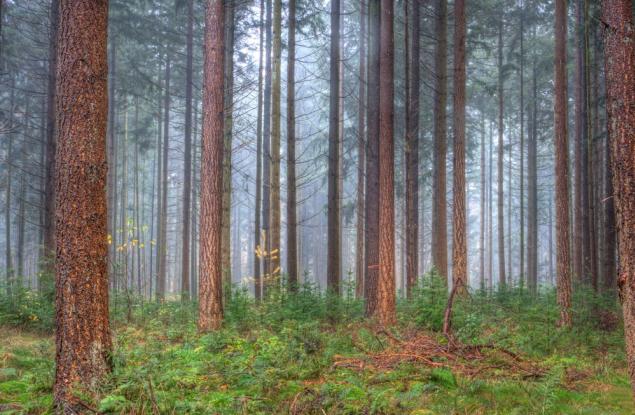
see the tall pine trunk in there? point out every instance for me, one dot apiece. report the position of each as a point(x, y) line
point(162, 250)
point(258, 196)
point(619, 50)
point(439, 208)
point(361, 154)
point(563, 259)
point(292, 233)
point(83, 343)
point(210, 315)
point(459, 231)
point(266, 169)
point(276, 81)
point(502, 280)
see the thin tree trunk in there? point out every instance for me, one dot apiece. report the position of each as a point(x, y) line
point(162, 251)
point(483, 202)
point(532, 194)
point(521, 271)
point(385, 311)
point(361, 153)
point(459, 231)
point(211, 270)
point(371, 217)
point(292, 236)
point(502, 280)
point(490, 212)
point(266, 170)
point(227, 146)
point(258, 202)
point(7, 201)
point(49, 189)
point(334, 253)
point(187, 155)
point(412, 156)
point(137, 205)
point(562, 166)
point(619, 50)
point(83, 343)
point(439, 208)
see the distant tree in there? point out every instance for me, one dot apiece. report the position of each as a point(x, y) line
point(83, 343)
point(619, 61)
point(361, 153)
point(210, 262)
point(502, 280)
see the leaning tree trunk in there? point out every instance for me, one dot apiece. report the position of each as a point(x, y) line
point(439, 208)
point(334, 253)
point(83, 343)
point(459, 231)
point(210, 315)
point(563, 260)
point(385, 311)
point(619, 50)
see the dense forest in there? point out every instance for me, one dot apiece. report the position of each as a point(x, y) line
point(317, 207)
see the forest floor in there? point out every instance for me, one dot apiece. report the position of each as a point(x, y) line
point(296, 355)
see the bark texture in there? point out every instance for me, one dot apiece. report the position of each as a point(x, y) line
point(292, 233)
point(619, 49)
point(211, 271)
point(83, 342)
point(563, 259)
point(361, 154)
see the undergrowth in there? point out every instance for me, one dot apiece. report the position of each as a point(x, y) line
point(284, 355)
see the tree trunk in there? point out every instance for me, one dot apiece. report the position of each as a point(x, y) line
point(483, 202)
point(385, 311)
point(459, 232)
point(227, 146)
point(521, 272)
point(412, 156)
point(361, 153)
point(49, 189)
point(532, 191)
point(83, 343)
point(162, 250)
point(502, 280)
point(334, 253)
point(7, 203)
point(187, 156)
point(292, 235)
point(439, 208)
point(266, 170)
point(617, 15)
point(258, 202)
point(490, 212)
point(563, 259)
point(371, 217)
point(276, 81)
point(211, 271)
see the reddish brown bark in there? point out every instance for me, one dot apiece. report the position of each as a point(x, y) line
point(211, 271)
point(371, 217)
point(439, 208)
point(412, 157)
point(459, 236)
point(563, 260)
point(333, 256)
point(619, 50)
point(292, 236)
point(385, 311)
point(83, 343)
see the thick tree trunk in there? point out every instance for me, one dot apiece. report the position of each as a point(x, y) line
point(258, 202)
point(83, 343)
point(385, 311)
point(211, 271)
point(563, 259)
point(619, 50)
point(334, 253)
point(502, 280)
point(361, 153)
point(292, 233)
point(371, 217)
point(187, 155)
point(459, 231)
point(439, 207)
point(276, 82)
point(412, 156)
